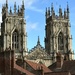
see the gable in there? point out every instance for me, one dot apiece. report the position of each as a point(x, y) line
point(38, 53)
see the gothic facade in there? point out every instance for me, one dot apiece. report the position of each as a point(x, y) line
point(57, 33)
point(57, 54)
point(38, 54)
point(13, 32)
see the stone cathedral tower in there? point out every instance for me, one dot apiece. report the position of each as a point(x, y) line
point(13, 32)
point(57, 30)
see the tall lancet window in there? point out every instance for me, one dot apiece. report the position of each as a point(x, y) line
point(60, 41)
point(15, 40)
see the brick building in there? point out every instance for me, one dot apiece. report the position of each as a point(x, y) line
point(57, 54)
point(13, 49)
point(62, 67)
point(10, 66)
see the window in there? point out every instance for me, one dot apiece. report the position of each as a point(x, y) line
point(15, 40)
point(60, 41)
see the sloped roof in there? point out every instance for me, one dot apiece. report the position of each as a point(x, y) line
point(38, 52)
point(35, 66)
point(67, 66)
point(38, 46)
point(58, 73)
point(53, 66)
point(22, 70)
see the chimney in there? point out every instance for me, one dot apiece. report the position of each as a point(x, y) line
point(59, 60)
point(40, 70)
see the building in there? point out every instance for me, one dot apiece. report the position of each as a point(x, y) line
point(13, 49)
point(57, 54)
point(38, 54)
point(58, 37)
point(10, 66)
point(61, 67)
point(13, 32)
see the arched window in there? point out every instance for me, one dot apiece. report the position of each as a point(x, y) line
point(15, 40)
point(60, 41)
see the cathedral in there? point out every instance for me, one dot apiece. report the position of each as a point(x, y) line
point(13, 32)
point(15, 59)
point(57, 35)
point(58, 38)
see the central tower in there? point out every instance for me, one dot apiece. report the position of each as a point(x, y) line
point(13, 29)
point(57, 30)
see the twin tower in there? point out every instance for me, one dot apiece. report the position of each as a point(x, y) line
point(13, 32)
point(57, 32)
point(61, 15)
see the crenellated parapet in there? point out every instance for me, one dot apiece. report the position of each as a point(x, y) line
point(50, 13)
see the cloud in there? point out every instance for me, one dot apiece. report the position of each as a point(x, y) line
point(36, 9)
point(2, 1)
point(29, 4)
point(0, 16)
point(31, 26)
point(26, 17)
point(72, 24)
point(45, 1)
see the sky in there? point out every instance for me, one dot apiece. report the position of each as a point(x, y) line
point(35, 17)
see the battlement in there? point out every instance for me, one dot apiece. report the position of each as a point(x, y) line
point(18, 11)
point(50, 13)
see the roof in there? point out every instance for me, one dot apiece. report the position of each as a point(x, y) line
point(37, 46)
point(22, 70)
point(67, 66)
point(35, 66)
point(58, 73)
point(38, 52)
point(53, 66)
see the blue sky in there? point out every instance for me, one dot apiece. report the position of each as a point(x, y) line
point(35, 17)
